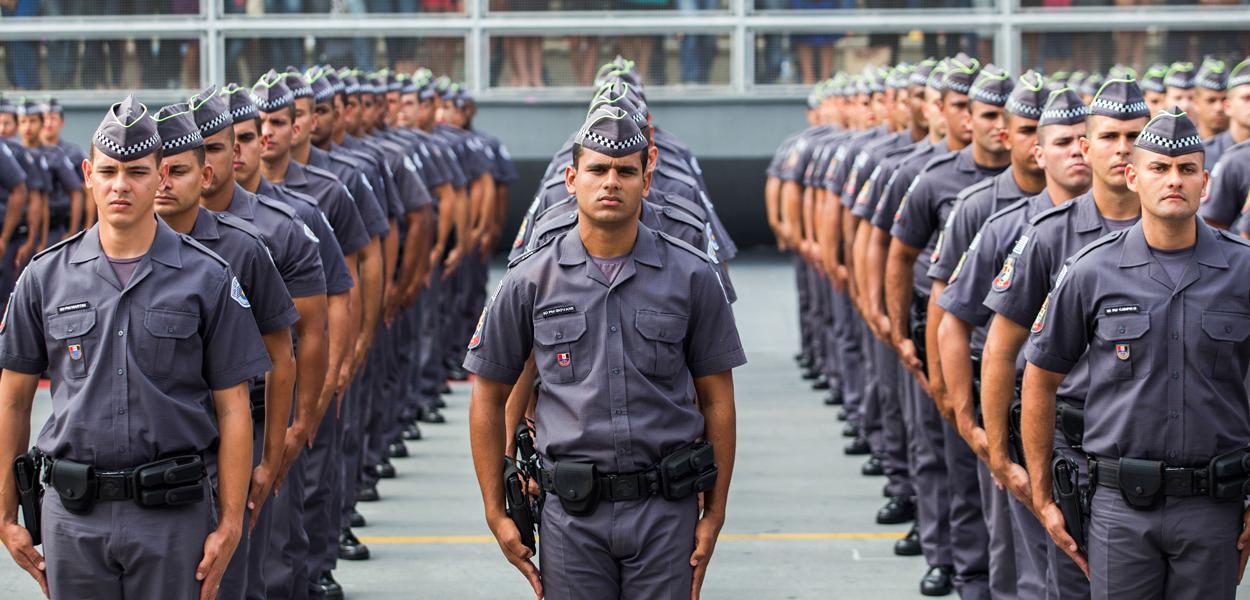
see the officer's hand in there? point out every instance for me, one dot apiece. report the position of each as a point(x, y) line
point(1243, 546)
point(509, 538)
point(452, 263)
point(18, 541)
point(837, 277)
point(1016, 479)
point(705, 534)
point(911, 361)
point(258, 492)
point(292, 445)
point(218, 548)
point(23, 254)
point(977, 440)
point(484, 247)
point(1052, 519)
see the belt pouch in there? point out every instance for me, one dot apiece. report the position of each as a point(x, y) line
point(1071, 422)
point(688, 470)
point(257, 395)
point(169, 472)
point(75, 483)
point(577, 486)
point(1230, 465)
point(178, 496)
point(1141, 482)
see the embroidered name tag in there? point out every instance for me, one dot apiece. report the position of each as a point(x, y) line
point(1122, 309)
point(73, 307)
point(555, 312)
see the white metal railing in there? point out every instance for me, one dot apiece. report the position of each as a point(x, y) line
point(1005, 22)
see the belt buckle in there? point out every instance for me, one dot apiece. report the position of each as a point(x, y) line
point(622, 487)
point(113, 485)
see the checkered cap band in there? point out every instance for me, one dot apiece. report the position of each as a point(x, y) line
point(1028, 111)
point(244, 113)
point(120, 152)
point(630, 143)
point(956, 86)
point(7, 109)
point(1061, 115)
point(1149, 138)
point(1178, 81)
point(186, 140)
point(1217, 85)
point(1239, 80)
point(215, 124)
point(980, 94)
point(1119, 110)
point(351, 88)
point(272, 104)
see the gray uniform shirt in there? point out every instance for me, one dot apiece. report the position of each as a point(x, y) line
point(1170, 358)
point(338, 279)
point(290, 242)
point(1229, 186)
point(616, 361)
point(973, 206)
point(132, 367)
point(240, 245)
point(334, 201)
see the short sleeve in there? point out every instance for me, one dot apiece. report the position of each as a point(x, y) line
point(1227, 192)
point(271, 303)
point(961, 227)
point(504, 336)
point(370, 208)
point(338, 279)
point(233, 350)
point(349, 228)
point(22, 344)
point(11, 173)
point(1060, 332)
point(66, 176)
point(972, 277)
point(298, 260)
point(1022, 281)
point(917, 219)
point(712, 344)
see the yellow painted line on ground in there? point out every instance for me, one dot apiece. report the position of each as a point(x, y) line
point(726, 537)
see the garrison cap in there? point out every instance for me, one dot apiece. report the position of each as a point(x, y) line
point(1089, 86)
point(1212, 75)
point(874, 79)
point(961, 73)
point(53, 106)
point(920, 74)
point(1120, 71)
point(1170, 133)
point(297, 83)
point(1152, 81)
point(1063, 107)
point(441, 84)
point(899, 77)
point(379, 85)
point(608, 130)
point(1239, 75)
point(393, 81)
point(351, 83)
point(176, 125)
point(332, 77)
point(210, 110)
point(407, 85)
point(937, 75)
point(992, 86)
point(241, 106)
point(1076, 79)
point(1119, 99)
point(6, 107)
point(271, 93)
point(28, 107)
point(1180, 75)
point(1029, 96)
point(618, 93)
point(127, 132)
point(1057, 80)
point(319, 83)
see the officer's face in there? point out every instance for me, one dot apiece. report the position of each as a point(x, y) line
point(933, 111)
point(351, 113)
point(304, 121)
point(828, 112)
point(1237, 105)
point(406, 115)
point(1184, 99)
point(1108, 145)
point(955, 109)
point(1020, 138)
point(1169, 188)
point(393, 101)
point(8, 125)
point(367, 106)
point(29, 127)
point(454, 116)
point(277, 131)
point(1059, 154)
point(609, 190)
point(881, 107)
point(1155, 101)
point(426, 111)
point(52, 125)
point(183, 180)
point(246, 150)
point(916, 105)
point(989, 127)
point(219, 154)
point(323, 119)
point(123, 191)
point(1210, 107)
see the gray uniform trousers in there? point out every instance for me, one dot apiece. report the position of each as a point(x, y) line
point(286, 566)
point(1186, 549)
point(806, 335)
point(638, 550)
point(969, 538)
point(1030, 542)
point(870, 408)
point(381, 362)
point(432, 371)
point(1002, 547)
point(121, 550)
point(1065, 580)
point(848, 347)
point(892, 384)
point(927, 460)
point(321, 489)
point(245, 576)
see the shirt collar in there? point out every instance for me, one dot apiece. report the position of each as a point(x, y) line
point(1006, 188)
point(1207, 250)
point(205, 227)
point(1087, 217)
point(242, 203)
point(646, 248)
point(295, 175)
point(165, 247)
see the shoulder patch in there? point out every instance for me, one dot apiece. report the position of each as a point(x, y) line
point(237, 294)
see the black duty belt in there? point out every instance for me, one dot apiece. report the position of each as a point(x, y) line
point(173, 481)
point(1175, 481)
point(613, 487)
point(257, 395)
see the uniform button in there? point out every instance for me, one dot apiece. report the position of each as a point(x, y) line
point(1171, 454)
point(612, 329)
point(1228, 329)
point(559, 336)
point(1138, 489)
point(1176, 375)
point(1173, 414)
point(1121, 329)
point(616, 371)
point(70, 329)
point(121, 332)
point(169, 330)
point(121, 411)
point(121, 371)
point(1176, 336)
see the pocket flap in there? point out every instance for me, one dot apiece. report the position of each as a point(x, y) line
point(1226, 327)
point(71, 325)
point(659, 327)
point(559, 330)
point(575, 481)
point(170, 324)
point(1123, 327)
point(1140, 481)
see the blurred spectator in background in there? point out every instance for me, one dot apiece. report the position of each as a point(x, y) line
point(23, 59)
point(698, 50)
point(525, 53)
point(815, 50)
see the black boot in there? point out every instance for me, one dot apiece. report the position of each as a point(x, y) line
point(939, 581)
point(857, 447)
point(910, 544)
point(900, 509)
point(843, 414)
point(821, 383)
point(439, 402)
point(412, 432)
point(368, 493)
point(850, 430)
point(456, 372)
point(357, 519)
point(326, 587)
point(872, 467)
point(397, 449)
point(431, 415)
point(810, 372)
point(386, 470)
point(834, 397)
point(350, 548)
point(445, 389)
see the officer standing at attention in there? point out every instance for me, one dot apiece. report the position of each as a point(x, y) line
point(13, 203)
point(149, 335)
point(62, 212)
point(37, 185)
point(1230, 177)
point(631, 328)
point(1211, 88)
point(1234, 132)
point(1166, 423)
point(1179, 85)
point(1153, 90)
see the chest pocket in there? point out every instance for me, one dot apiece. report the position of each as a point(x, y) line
point(166, 340)
point(559, 351)
point(1225, 336)
point(662, 354)
point(1126, 352)
point(71, 332)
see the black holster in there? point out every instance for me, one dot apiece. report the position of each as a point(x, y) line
point(257, 394)
point(688, 470)
point(26, 469)
point(1070, 421)
point(916, 330)
point(1229, 475)
point(1015, 439)
point(518, 505)
point(1072, 500)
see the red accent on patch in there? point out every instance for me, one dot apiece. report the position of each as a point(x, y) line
point(564, 359)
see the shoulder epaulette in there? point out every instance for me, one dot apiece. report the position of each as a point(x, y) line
point(691, 207)
point(203, 249)
point(347, 160)
point(319, 172)
point(528, 253)
point(974, 188)
point(235, 222)
point(555, 223)
point(1234, 237)
point(58, 245)
point(1007, 210)
point(554, 181)
point(1098, 243)
point(682, 177)
point(557, 204)
point(902, 150)
point(676, 241)
point(275, 204)
point(1051, 212)
point(938, 160)
point(677, 214)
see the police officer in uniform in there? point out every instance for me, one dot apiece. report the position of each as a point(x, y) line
point(1179, 86)
point(1153, 90)
point(1211, 88)
point(641, 317)
point(37, 185)
point(1116, 117)
point(13, 199)
point(1159, 313)
point(63, 206)
point(149, 333)
point(1230, 178)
